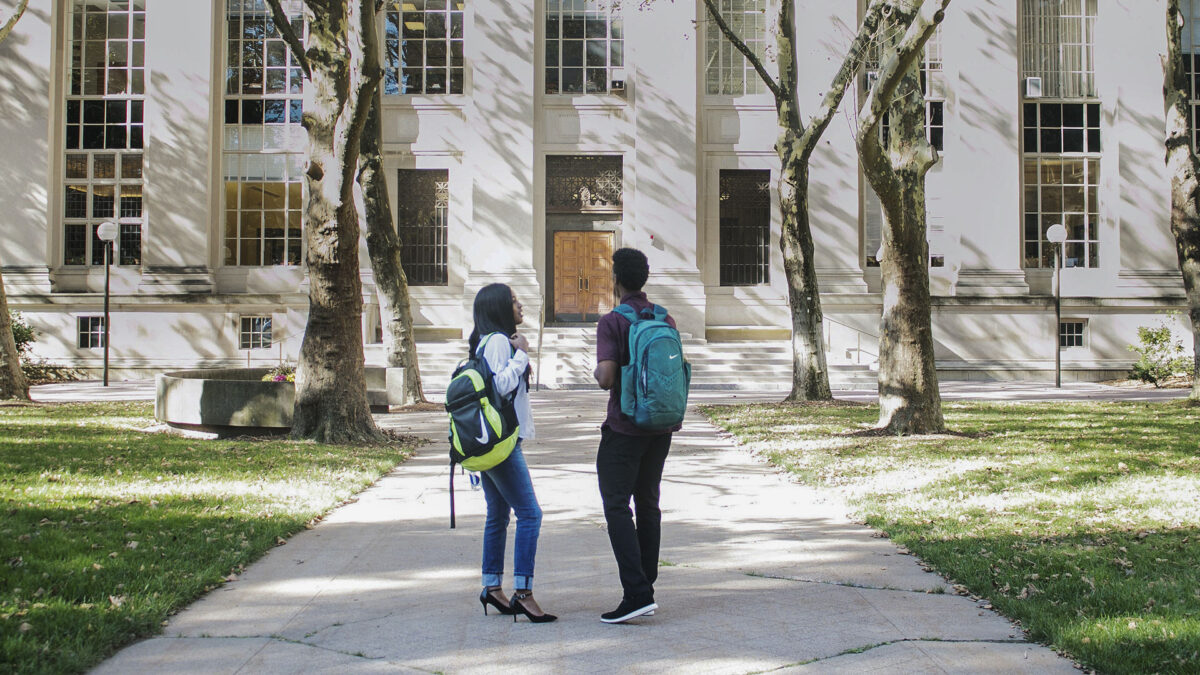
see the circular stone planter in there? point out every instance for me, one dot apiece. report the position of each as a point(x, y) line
point(237, 400)
point(223, 399)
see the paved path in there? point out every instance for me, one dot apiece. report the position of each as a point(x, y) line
point(759, 574)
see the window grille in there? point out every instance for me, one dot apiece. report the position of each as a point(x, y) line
point(423, 224)
point(90, 332)
point(1058, 46)
point(585, 40)
point(104, 129)
point(745, 227)
point(1071, 333)
point(584, 184)
point(726, 71)
point(424, 43)
point(256, 332)
point(263, 141)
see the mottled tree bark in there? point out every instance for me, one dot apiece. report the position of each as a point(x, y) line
point(1184, 167)
point(331, 393)
point(12, 378)
point(9, 23)
point(909, 400)
point(383, 245)
point(795, 145)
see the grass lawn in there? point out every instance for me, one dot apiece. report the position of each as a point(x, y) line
point(1080, 520)
point(108, 529)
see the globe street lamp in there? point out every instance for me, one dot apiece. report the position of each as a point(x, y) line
point(107, 232)
point(1056, 235)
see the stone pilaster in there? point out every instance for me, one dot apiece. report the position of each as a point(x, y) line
point(181, 219)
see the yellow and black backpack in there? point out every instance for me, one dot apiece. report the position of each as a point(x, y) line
point(483, 424)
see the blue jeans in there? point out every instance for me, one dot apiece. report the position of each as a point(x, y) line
point(507, 487)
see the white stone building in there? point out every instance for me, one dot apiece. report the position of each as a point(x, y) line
point(525, 140)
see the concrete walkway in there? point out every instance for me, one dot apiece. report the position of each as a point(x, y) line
point(759, 574)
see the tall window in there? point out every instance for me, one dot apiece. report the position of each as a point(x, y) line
point(1061, 125)
point(1191, 60)
point(424, 198)
point(104, 113)
point(726, 70)
point(585, 42)
point(424, 44)
point(745, 227)
point(933, 85)
point(264, 142)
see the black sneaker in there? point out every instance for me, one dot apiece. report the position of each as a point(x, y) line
point(628, 610)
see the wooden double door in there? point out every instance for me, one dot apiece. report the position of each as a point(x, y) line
point(583, 289)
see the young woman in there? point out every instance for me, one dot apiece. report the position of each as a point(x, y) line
point(507, 486)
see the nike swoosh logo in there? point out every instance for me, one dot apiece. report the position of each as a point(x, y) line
point(483, 426)
point(674, 356)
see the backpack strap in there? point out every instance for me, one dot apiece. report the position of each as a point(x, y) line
point(627, 312)
point(479, 353)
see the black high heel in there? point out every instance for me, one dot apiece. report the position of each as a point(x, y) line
point(519, 607)
point(486, 598)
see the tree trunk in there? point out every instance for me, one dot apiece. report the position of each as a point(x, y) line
point(810, 374)
point(384, 248)
point(12, 378)
point(909, 400)
point(1184, 167)
point(331, 393)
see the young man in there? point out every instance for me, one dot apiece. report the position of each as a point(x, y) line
point(630, 460)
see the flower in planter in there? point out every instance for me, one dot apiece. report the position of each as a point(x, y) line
point(284, 373)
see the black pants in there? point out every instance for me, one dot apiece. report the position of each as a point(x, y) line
point(632, 466)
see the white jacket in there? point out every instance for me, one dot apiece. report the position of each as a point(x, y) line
point(508, 366)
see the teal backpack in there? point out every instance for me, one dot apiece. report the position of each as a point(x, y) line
point(654, 386)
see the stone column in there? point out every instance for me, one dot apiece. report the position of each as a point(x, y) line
point(181, 217)
point(824, 31)
point(29, 190)
point(983, 153)
point(503, 78)
point(662, 203)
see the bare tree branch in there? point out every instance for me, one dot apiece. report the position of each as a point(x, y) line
point(911, 48)
point(740, 45)
point(12, 20)
point(855, 56)
point(284, 26)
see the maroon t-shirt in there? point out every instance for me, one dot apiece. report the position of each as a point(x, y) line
point(612, 344)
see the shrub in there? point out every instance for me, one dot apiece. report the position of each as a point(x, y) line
point(1161, 355)
point(23, 334)
point(39, 371)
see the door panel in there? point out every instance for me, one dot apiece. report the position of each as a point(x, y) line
point(582, 275)
point(598, 275)
point(568, 291)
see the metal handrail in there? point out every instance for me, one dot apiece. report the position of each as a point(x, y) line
point(858, 335)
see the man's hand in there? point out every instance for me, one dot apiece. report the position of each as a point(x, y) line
point(518, 341)
point(606, 374)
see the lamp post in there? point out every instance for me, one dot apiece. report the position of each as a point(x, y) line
point(106, 232)
point(1056, 235)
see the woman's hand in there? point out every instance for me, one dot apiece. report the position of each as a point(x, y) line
point(518, 341)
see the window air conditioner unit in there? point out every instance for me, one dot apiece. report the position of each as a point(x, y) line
point(1033, 87)
point(617, 81)
point(869, 79)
